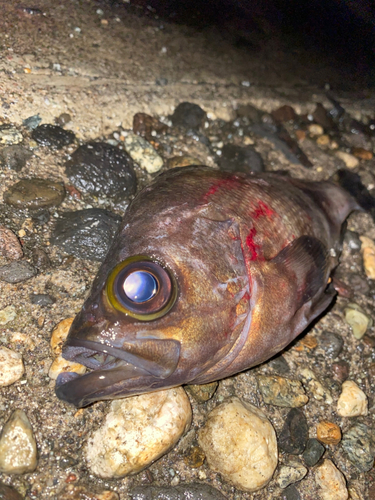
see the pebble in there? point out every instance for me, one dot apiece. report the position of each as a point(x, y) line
point(352, 401)
point(281, 391)
point(143, 153)
point(192, 491)
point(315, 130)
point(40, 258)
point(63, 119)
point(357, 319)
point(350, 160)
point(188, 115)
point(10, 247)
point(368, 254)
point(248, 111)
point(101, 169)
point(318, 390)
point(18, 453)
point(32, 121)
point(340, 370)
point(7, 315)
point(182, 161)
point(144, 125)
point(331, 482)
point(279, 365)
point(11, 366)
point(284, 114)
point(322, 117)
point(14, 157)
point(9, 493)
point(313, 452)
point(52, 136)
point(17, 271)
point(323, 140)
point(9, 135)
point(331, 343)
point(240, 159)
point(240, 443)
point(41, 216)
point(295, 432)
point(79, 492)
point(291, 473)
point(358, 284)
point(137, 431)
point(59, 335)
point(61, 365)
point(290, 493)
point(202, 393)
point(357, 442)
point(362, 154)
point(86, 234)
point(351, 238)
point(194, 457)
point(42, 299)
point(328, 432)
point(34, 193)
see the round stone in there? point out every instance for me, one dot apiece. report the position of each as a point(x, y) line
point(52, 135)
point(11, 366)
point(34, 193)
point(188, 115)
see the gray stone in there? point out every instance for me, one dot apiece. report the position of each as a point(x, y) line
point(182, 492)
point(16, 272)
point(357, 443)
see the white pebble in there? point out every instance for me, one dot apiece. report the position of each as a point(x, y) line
point(240, 444)
point(357, 319)
point(331, 481)
point(61, 365)
point(17, 445)
point(350, 160)
point(137, 431)
point(143, 153)
point(352, 401)
point(315, 130)
point(7, 315)
point(290, 474)
point(11, 366)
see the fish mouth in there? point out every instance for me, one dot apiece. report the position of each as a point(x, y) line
point(134, 368)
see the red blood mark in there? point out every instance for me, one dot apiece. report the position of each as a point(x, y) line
point(246, 296)
point(230, 183)
point(251, 245)
point(263, 210)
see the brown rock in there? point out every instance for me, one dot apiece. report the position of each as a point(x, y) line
point(10, 247)
point(328, 432)
point(182, 161)
point(202, 393)
point(300, 135)
point(195, 457)
point(362, 153)
point(59, 334)
point(144, 125)
point(340, 370)
point(284, 114)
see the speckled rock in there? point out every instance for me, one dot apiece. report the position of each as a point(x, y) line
point(240, 159)
point(313, 452)
point(52, 136)
point(61, 365)
point(368, 254)
point(318, 390)
point(295, 432)
point(32, 122)
point(7, 315)
point(340, 370)
point(14, 157)
point(101, 169)
point(59, 335)
point(240, 444)
point(331, 343)
point(17, 271)
point(9, 493)
point(202, 393)
point(18, 453)
point(352, 401)
point(357, 319)
point(10, 135)
point(86, 234)
point(182, 161)
point(279, 365)
point(11, 366)
point(281, 391)
point(188, 115)
point(34, 193)
point(137, 431)
point(290, 493)
point(291, 473)
point(10, 247)
point(358, 444)
point(331, 482)
point(328, 432)
point(143, 153)
point(350, 160)
point(182, 492)
point(146, 125)
point(42, 299)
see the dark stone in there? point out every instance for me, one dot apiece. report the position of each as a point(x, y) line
point(290, 493)
point(357, 442)
point(34, 193)
point(103, 170)
point(188, 115)
point(358, 284)
point(144, 125)
point(40, 258)
point(295, 433)
point(279, 365)
point(14, 157)
point(351, 238)
point(313, 452)
point(9, 493)
point(240, 159)
point(340, 370)
point(32, 122)
point(42, 299)
point(284, 114)
point(248, 111)
point(322, 117)
point(53, 136)
point(86, 234)
point(199, 137)
point(15, 272)
point(41, 216)
point(67, 461)
point(193, 491)
point(63, 119)
point(331, 343)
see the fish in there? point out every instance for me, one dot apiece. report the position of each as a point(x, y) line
point(210, 274)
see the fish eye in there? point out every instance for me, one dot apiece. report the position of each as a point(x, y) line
point(141, 288)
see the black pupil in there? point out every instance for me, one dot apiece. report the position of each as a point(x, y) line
point(140, 286)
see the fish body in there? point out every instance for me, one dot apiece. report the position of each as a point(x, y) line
point(228, 268)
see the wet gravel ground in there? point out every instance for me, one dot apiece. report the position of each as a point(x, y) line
point(62, 226)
